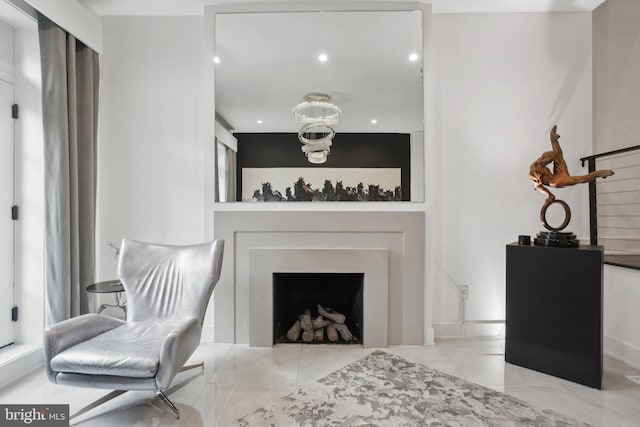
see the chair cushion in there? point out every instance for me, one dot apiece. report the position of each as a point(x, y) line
point(130, 350)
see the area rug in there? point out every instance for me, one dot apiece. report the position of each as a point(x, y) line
point(386, 390)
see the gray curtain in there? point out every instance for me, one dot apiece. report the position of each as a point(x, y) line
point(231, 175)
point(216, 180)
point(70, 77)
point(228, 169)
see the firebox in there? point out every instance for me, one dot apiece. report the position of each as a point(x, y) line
point(339, 293)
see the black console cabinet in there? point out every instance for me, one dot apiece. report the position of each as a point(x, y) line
point(554, 311)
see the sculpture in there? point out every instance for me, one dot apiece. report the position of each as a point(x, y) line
point(541, 177)
point(540, 174)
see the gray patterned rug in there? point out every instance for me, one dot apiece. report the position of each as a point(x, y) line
point(386, 390)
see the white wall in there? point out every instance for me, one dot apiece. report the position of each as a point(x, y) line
point(617, 125)
point(150, 154)
point(501, 82)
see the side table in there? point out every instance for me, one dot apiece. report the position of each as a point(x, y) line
point(109, 287)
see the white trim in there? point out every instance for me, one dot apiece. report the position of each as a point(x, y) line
point(226, 137)
point(31, 358)
point(469, 329)
point(416, 140)
point(521, 6)
point(321, 207)
point(431, 187)
point(17, 14)
point(621, 351)
point(447, 329)
point(207, 112)
point(194, 7)
point(314, 6)
point(429, 336)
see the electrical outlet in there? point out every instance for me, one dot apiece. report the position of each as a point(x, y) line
point(464, 291)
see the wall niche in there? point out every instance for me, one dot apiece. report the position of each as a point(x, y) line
point(384, 159)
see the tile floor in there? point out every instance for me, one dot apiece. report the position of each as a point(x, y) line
point(238, 379)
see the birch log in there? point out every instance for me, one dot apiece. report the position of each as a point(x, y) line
point(305, 321)
point(294, 333)
point(320, 322)
point(344, 331)
point(332, 334)
point(307, 336)
point(336, 317)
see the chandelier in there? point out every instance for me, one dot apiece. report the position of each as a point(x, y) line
point(319, 114)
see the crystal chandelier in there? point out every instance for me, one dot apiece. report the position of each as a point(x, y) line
point(318, 114)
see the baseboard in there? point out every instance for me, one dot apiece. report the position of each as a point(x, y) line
point(207, 334)
point(20, 364)
point(621, 351)
point(468, 329)
point(447, 329)
point(429, 335)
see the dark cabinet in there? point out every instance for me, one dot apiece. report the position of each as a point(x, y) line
point(554, 311)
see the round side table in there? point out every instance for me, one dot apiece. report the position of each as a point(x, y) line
point(109, 287)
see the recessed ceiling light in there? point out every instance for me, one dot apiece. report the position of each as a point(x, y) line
point(259, 121)
point(216, 59)
point(374, 121)
point(413, 57)
point(322, 57)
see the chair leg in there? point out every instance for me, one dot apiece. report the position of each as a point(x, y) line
point(96, 403)
point(169, 402)
point(164, 393)
point(187, 367)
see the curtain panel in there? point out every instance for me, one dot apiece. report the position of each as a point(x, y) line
point(216, 172)
point(70, 79)
point(225, 177)
point(231, 174)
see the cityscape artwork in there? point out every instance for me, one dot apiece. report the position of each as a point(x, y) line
point(321, 184)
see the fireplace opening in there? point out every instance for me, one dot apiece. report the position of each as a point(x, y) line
point(336, 293)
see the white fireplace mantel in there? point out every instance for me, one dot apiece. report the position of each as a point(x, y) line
point(374, 263)
point(400, 234)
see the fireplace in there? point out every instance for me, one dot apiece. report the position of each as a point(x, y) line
point(373, 263)
point(293, 293)
point(388, 247)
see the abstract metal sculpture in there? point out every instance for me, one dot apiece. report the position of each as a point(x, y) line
point(541, 177)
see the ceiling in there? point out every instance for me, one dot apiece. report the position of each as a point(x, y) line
point(195, 7)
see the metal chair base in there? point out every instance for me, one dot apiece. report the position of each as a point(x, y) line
point(160, 393)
